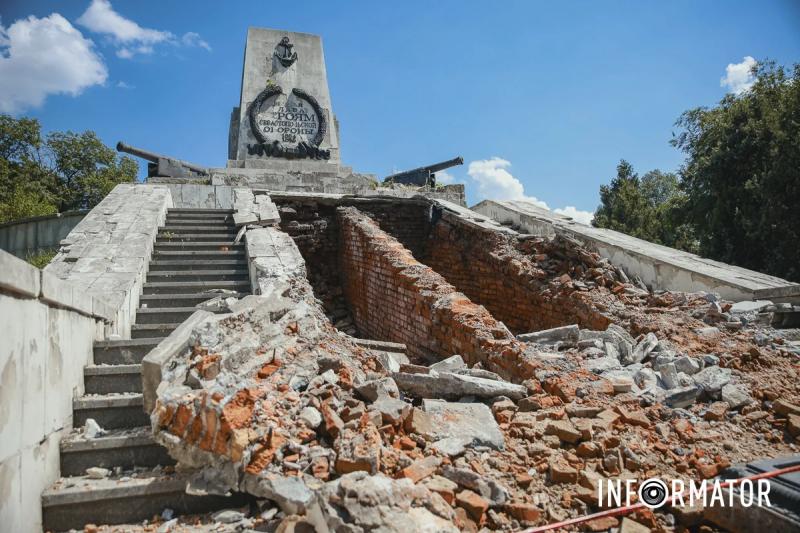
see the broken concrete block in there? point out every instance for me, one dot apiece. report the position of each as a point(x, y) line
point(567, 335)
point(687, 365)
point(311, 417)
point(736, 396)
point(453, 386)
point(487, 488)
point(451, 364)
point(289, 492)
point(392, 410)
point(358, 451)
point(669, 376)
point(471, 422)
point(681, 397)
point(246, 217)
point(713, 378)
point(643, 349)
point(602, 364)
point(376, 388)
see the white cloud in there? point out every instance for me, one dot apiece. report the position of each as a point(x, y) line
point(739, 76)
point(584, 217)
point(123, 85)
point(191, 38)
point(100, 17)
point(444, 178)
point(42, 56)
point(497, 183)
point(130, 38)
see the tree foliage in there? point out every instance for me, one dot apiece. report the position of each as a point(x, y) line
point(737, 194)
point(61, 171)
point(649, 207)
point(742, 174)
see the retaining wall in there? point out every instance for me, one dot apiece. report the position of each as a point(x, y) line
point(484, 264)
point(48, 328)
point(393, 297)
point(34, 235)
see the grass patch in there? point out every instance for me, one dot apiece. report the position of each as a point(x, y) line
point(41, 259)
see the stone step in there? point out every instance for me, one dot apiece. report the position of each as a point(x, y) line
point(146, 331)
point(198, 210)
point(158, 265)
point(195, 237)
point(188, 287)
point(163, 315)
point(106, 379)
point(123, 352)
point(198, 275)
point(185, 228)
point(185, 299)
point(73, 502)
point(126, 448)
point(111, 411)
point(198, 255)
point(216, 246)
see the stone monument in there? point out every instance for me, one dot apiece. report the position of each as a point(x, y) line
point(285, 120)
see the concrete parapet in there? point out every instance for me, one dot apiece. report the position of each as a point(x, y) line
point(37, 234)
point(48, 329)
point(107, 254)
point(660, 267)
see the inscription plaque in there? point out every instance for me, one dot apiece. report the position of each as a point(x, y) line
point(287, 125)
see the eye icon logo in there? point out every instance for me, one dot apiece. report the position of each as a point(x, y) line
point(653, 493)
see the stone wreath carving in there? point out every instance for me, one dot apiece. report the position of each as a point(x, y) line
point(276, 149)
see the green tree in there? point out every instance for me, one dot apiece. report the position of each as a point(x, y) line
point(742, 173)
point(650, 207)
point(60, 172)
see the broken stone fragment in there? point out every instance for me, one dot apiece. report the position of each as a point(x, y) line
point(564, 430)
point(92, 430)
point(687, 365)
point(290, 493)
point(470, 423)
point(454, 386)
point(567, 335)
point(642, 350)
point(358, 450)
point(392, 410)
point(96, 472)
point(487, 488)
point(736, 396)
point(561, 471)
point(682, 397)
point(473, 503)
point(419, 470)
point(376, 388)
point(228, 516)
point(669, 376)
point(451, 364)
point(712, 379)
point(311, 417)
point(359, 502)
point(602, 364)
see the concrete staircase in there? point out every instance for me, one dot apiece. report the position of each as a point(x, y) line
point(194, 255)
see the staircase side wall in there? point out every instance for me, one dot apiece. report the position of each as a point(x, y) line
point(108, 253)
point(47, 331)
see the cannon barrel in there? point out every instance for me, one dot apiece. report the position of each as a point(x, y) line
point(436, 167)
point(155, 158)
point(422, 175)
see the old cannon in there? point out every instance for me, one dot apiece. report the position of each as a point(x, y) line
point(422, 176)
point(163, 166)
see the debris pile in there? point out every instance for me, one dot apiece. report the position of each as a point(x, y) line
point(273, 401)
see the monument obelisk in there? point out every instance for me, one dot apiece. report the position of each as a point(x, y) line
point(284, 121)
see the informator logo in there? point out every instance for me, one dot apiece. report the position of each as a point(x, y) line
point(655, 493)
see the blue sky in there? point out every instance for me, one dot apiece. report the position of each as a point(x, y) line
point(543, 98)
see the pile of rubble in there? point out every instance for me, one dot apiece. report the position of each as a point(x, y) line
point(273, 401)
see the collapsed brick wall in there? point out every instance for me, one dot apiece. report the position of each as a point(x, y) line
point(487, 266)
point(394, 297)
